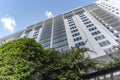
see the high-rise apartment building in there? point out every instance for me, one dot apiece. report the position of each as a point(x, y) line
point(95, 27)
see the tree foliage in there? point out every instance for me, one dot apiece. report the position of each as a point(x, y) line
point(113, 63)
point(19, 59)
point(25, 59)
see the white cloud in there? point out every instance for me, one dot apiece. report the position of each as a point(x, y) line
point(48, 14)
point(9, 23)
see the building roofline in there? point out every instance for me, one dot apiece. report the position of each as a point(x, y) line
point(10, 35)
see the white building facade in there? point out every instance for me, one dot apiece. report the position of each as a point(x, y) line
point(95, 27)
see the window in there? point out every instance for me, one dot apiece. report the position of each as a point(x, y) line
point(105, 43)
point(90, 25)
point(91, 29)
point(74, 30)
point(76, 34)
point(83, 17)
point(87, 22)
point(34, 37)
point(73, 27)
point(63, 45)
point(109, 50)
point(117, 12)
point(77, 39)
point(99, 37)
point(38, 27)
point(113, 7)
point(106, 51)
point(113, 11)
point(72, 24)
point(70, 20)
point(36, 32)
point(79, 44)
point(69, 17)
point(96, 33)
point(28, 31)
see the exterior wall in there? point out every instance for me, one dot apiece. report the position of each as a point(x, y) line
point(104, 32)
point(59, 41)
point(110, 22)
point(92, 27)
point(112, 6)
point(68, 33)
point(92, 46)
point(11, 37)
point(45, 38)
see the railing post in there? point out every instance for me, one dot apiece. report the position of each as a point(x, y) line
point(104, 77)
point(112, 76)
point(98, 78)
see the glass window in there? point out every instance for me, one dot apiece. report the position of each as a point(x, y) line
point(113, 7)
point(76, 34)
point(74, 30)
point(85, 20)
point(83, 17)
point(70, 20)
point(36, 32)
point(90, 25)
point(91, 29)
point(38, 27)
point(77, 39)
point(96, 33)
point(113, 11)
point(72, 24)
point(117, 12)
point(73, 27)
point(105, 43)
point(99, 37)
point(79, 44)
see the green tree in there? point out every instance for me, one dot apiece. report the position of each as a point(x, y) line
point(65, 66)
point(20, 59)
point(25, 59)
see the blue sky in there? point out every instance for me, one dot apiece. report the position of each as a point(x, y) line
point(16, 15)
